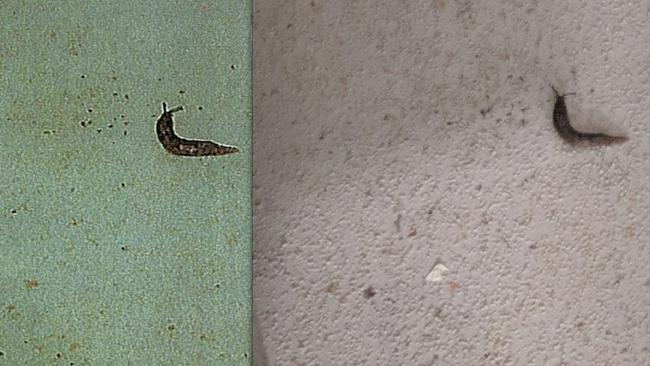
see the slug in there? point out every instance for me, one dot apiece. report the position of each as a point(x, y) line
point(570, 134)
point(177, 145)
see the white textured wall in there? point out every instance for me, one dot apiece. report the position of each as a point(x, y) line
point(391, 136)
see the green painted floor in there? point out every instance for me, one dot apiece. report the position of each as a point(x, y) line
point(113, 251)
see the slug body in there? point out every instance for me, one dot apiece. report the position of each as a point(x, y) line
point(570, 134)
point(180, 146)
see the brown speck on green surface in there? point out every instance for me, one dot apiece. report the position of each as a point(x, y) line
point(31, 284)
point(74, 347)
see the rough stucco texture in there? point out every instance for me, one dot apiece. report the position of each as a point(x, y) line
point(394, 136)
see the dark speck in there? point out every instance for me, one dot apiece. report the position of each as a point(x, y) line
point(123, 185)
point(369, 292)
point(124, 133)
point(122, 116)
point(90, 110)
point(233, 66)
point(99, 130)
point(2, 353)
point(110, 126)
point(171, 327)
point(83, 76)
point(13, 211)
point(181, 91)
point(114, 94)
point(200, 108)
point(126, 96)
point(59, 355)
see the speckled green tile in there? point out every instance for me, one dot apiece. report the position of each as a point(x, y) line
point(113, 251)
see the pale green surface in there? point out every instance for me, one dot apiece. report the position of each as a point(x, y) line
point(141, 257)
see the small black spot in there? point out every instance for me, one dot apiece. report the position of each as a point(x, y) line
point(246, 355)
point(200, 108)
point(110, 126)
point(90, 110)
point(13, 211)
point(83, 76)
point(122, 116)
point(181, 91)
point(171, 327)
point(46, 132)
point(99, 130)
point(369, 292)
point(123, 185)
point(26, 341)
point(114, 94)
point(218, 285)
point(58, 355)
point(124, 133)
point(126, 96)
point(72, 189)
point(2, 353)
point(124, 248)
point(159, 79)
point(321, 136)
point(232, 67)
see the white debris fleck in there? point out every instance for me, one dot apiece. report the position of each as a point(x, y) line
point(437, 273)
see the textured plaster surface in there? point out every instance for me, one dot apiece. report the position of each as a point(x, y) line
point(395, 136)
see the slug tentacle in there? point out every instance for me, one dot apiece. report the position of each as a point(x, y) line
point(184, 147)
point(570, 134)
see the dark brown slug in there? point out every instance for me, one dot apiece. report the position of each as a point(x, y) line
point(570, 134)
point(184, 147)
